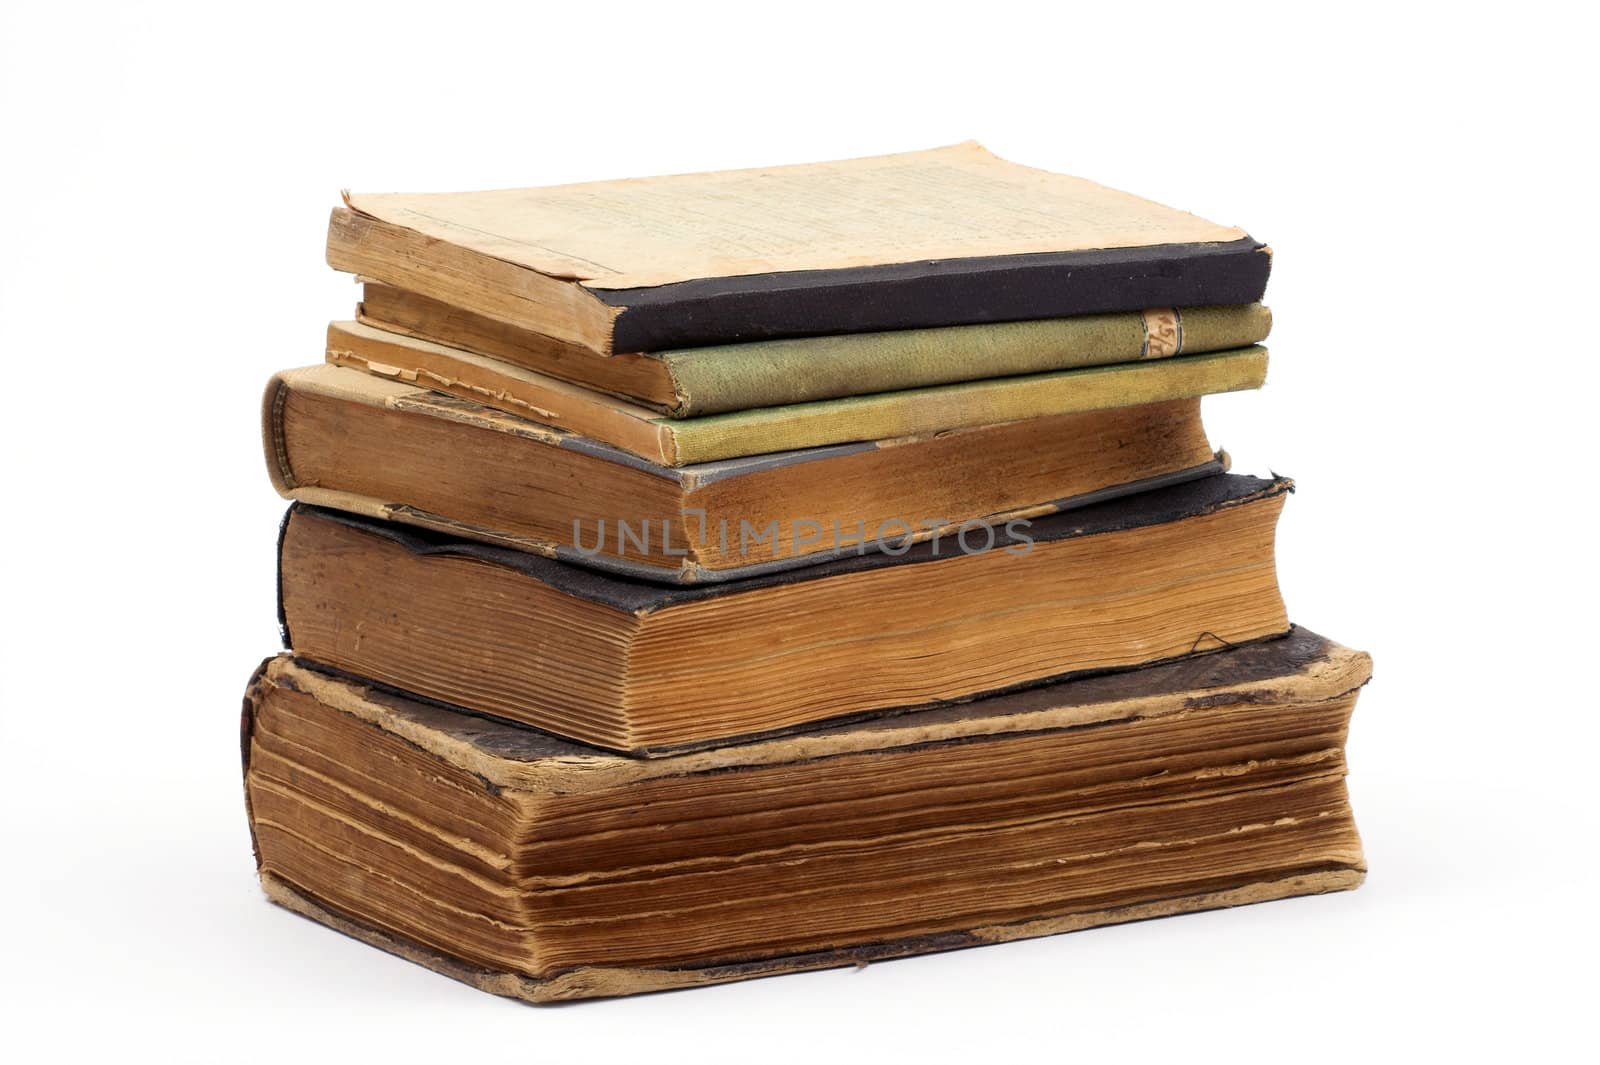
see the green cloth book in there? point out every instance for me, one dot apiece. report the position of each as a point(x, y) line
point(768, 429)
point(694, 382)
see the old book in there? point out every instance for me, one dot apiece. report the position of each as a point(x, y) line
point(951, 236)
point(340, 438)
point(646, 668)
point(693, 382)
point(687, 441)
point(538, 868)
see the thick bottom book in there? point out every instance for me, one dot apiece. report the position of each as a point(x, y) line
point(543, 869)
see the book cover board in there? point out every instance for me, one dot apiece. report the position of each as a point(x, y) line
point(950, 236)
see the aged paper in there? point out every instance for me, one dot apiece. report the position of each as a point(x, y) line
point(953, 202)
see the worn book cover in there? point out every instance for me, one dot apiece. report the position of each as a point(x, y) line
point(950, 236)
point(766, 430)
point(542, 869)
point(693, 382)
point(648, 668)
point(374, 445)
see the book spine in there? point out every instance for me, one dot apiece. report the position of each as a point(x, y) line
point(733, 377)
point(872, 299)
point(920, 411)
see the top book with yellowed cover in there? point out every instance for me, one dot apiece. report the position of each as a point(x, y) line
point(949, 236)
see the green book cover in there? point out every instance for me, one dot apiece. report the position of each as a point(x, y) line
point(736, 377)
point(694, 382)
point(917, 411)
point(793, 426)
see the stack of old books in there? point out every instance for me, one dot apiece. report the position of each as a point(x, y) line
point(703, 577)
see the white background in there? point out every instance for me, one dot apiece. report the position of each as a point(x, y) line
point(1425, 177)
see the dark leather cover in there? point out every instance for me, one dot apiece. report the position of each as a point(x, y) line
point(867, 299)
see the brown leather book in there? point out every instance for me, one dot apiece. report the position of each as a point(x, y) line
point(647, 668)
point(339, 438)
point(542, 869)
